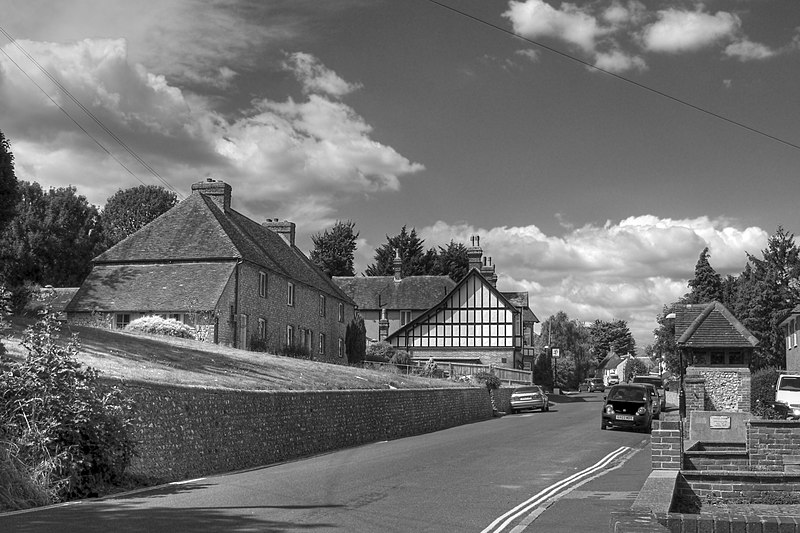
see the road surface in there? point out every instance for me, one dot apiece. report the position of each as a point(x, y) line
point(487, 477)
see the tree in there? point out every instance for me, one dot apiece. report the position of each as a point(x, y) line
point(706, 286)
point(335, 248)
point(52, 239)
point(452, 261)
point(664, 348)
point(607, 336)
point(355, 341)
point(572, 339)
point(128, 210)
point(415, 260)
point(635, 367)
point(8, 183)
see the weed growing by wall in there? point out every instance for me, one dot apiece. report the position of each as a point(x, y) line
point(60, 426)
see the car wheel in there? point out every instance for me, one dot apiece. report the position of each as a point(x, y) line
point(513, 411)
point(603, 425)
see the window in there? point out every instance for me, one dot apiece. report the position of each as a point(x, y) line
point(322, 344)
point(290, 294)
point(122, 320)
point(290, 335)
point(793, 325)
point(405, 317)
point(262, 329)
point(341, 312)
point(321, 305)
point(341, 347)
point(308, 340)
point(262, 284)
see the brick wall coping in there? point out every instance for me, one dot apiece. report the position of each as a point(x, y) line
point(774, 423)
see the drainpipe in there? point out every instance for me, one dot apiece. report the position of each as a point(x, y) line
point(236, 305)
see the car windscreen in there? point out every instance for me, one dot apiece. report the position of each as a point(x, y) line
point(627, 394)
point(653, 381)
point(523, 390)
point(791, 383)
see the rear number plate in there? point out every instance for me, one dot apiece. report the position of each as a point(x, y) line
point(624, 417)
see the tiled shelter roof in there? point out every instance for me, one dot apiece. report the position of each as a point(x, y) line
point(710, 325)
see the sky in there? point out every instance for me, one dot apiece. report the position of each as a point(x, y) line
point(595, 147)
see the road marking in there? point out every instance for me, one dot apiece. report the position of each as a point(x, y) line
point(187, 481)
point(503, 521)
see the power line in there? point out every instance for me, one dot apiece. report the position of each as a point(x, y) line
point(91, 115)
point(617, 76)
point(71, 118)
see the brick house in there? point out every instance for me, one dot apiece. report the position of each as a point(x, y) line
point(232, 278)
point(790, 326)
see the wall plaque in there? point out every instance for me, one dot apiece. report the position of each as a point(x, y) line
point(719, 422)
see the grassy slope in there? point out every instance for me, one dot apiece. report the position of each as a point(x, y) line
point(183, 362)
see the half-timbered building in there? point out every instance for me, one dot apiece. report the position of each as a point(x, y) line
point(473, 323)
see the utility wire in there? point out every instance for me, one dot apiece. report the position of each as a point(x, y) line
point(617, 76)
point(71, 118)
point(91, 115)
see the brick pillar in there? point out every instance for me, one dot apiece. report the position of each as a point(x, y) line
point(665, 443)
point(383, 326)
point(695, 387)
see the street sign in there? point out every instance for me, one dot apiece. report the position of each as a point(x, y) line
point(556, 352)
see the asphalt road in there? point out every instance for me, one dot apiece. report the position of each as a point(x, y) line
point(482, 477)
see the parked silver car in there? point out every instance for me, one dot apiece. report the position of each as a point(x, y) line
point(529, 397)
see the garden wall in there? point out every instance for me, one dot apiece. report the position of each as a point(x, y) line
point(187, 432)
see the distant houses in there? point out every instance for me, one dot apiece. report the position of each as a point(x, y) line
point(239, 282)
point(433, 317)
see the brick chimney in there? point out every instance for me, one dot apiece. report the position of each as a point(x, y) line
point(383, 326)
point(488, 271)
point(475, 252)
point(398, 266)
point(284, 228)
point(218, 191)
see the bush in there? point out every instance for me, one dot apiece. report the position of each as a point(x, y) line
point(379, 352)
point(355, 340)
point(257, 344)
point(59, 424)
point(297, 351)
point(401, 358)
point(762, 392)
point(161, 326)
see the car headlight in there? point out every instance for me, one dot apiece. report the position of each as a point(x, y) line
point(609, 409)
point(796, 412)
point(641, 411)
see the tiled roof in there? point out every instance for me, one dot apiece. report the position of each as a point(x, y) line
point(710, 325)
point(198, 229)
point(412, 293)
point(520, 300)
point(153, 287)
point(56, 298)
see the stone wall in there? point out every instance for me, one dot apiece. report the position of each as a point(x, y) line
point(186, 432)
point(725, 388)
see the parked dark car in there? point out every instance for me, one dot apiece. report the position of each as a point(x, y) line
point(628, 405)
point(592, 385)
point(658, 384)
point(655, 400)
point(529, 397)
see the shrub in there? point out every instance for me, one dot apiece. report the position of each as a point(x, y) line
point(355, 340)
point(762, 392)
point(60, 425)
point(298, 351)
point(161, 326)
point(257, 344)
point(379, 352)
point(401, 358)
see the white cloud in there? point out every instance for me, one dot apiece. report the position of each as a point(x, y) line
point(277, 151)
point(619, 61)
point(623, 270)
point(536, 18)
point(316, 77)
point(681, 31)
point(746, 50)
